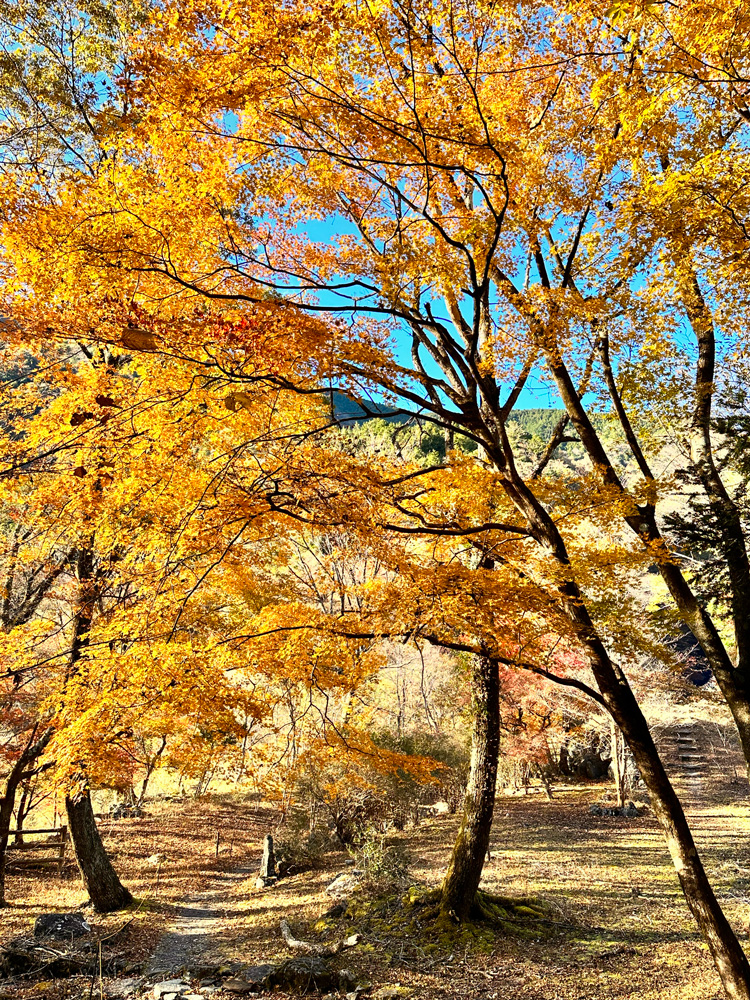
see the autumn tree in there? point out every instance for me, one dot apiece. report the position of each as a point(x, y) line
point(500, 187)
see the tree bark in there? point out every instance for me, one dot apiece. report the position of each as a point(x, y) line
point(22, 811)
point(105, 890)
point(470, 849)
point(729, 958)
point(733, 680)
point(618, 770)
point(6, 814)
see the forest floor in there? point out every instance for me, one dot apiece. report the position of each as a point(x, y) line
point(617, 925)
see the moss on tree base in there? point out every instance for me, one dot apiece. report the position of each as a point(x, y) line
point(417, 917)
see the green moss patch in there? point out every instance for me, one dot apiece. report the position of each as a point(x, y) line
point(415, 917)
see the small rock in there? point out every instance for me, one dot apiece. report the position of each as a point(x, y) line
point(595, 810)
point(169, 996)
point(258, 976)
point(168, 986)
point(347, 980)
point(122, 987)
point(192, 996)
point(350, 862)
point(300, 975)
point(156, 859)
point(205, 974)
point(391, 992)
point(440, 809)
point(263, 883)
point(61, 926)
point(239, 986)
point(344, 884)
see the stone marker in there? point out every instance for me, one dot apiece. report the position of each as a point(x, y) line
point(268, 864)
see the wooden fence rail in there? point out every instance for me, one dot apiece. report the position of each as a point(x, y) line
point(56, 844)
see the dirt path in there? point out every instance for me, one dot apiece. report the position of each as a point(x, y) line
point(200, 916)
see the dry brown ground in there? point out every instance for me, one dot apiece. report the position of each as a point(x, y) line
point(619, 927)
point(184, 833)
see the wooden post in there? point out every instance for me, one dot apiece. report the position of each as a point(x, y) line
point(63, 839)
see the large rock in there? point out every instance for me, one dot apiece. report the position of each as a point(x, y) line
point(124, 811)
point(61, 926)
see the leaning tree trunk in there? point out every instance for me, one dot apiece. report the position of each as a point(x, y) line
point(470, 849)
point(729, 958)
point(105, 889)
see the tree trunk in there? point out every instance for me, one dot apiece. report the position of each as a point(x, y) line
point(618, 770)
point(470, 849)
point(6, 814)
point(729, 958)
point(21, 812)
point(18, 773)
point(105, 890)
point(150, 768)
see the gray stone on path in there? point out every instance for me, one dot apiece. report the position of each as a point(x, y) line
point(238, 986)
point(167, 986)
